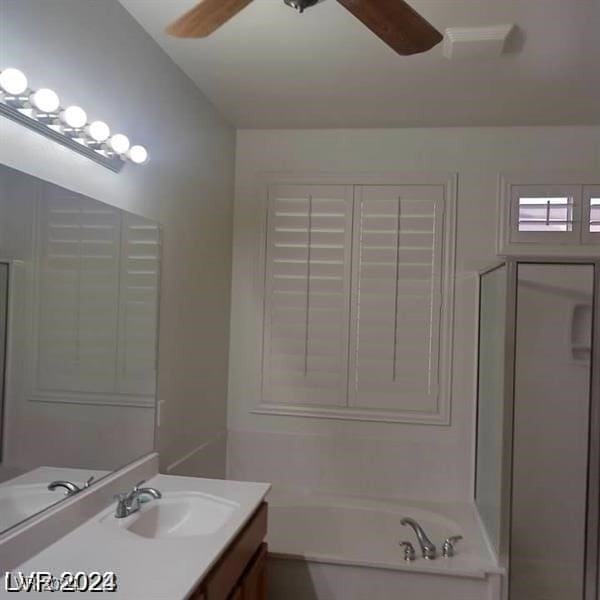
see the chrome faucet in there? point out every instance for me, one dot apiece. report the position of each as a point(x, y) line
point(72, 488)
point(427, 547)
point(131, 502)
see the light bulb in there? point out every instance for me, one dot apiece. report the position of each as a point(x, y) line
point(13, 81)
point(119, 143)
point(138, 154)
point(98, 131)
point(74, 117)
point(45, 100)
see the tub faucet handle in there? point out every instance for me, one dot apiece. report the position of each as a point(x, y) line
point(409, 550)
point(448, 545)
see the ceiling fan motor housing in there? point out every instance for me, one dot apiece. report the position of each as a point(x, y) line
point(300, 5)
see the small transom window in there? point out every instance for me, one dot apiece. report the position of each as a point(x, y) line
point(594, 215)
point(546, 214)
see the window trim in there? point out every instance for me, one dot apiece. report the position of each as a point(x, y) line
point(510, 242)
point(544, 191)
point(587, 236)
point(441, 414)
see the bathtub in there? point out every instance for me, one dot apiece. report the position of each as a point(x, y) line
point(329, 547)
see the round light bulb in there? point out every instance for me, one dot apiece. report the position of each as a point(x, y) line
point(13, 81)
point(119, 143)
point(74, 117)
point(138, 155)
point(45, 100)
point(98, 131)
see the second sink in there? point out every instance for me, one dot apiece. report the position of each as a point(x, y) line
point(176, 515)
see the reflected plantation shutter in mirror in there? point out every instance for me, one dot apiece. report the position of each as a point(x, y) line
point(358, 297)
point(306, 294)
point(138, 305)
point(96, 302)
point(78, 262)
point(396, 297)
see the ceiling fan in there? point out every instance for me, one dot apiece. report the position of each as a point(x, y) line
point(394, 21)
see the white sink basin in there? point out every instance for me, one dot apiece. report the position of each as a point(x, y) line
point(17, 502)
point(176, 515)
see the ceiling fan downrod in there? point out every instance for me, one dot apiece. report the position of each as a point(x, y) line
point(300, 5)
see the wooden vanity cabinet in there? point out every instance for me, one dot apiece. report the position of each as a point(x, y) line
point(240, 572)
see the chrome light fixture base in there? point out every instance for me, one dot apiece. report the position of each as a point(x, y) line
point(114, 163)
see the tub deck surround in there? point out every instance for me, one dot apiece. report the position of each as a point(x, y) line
point(362, 531)
point(150, 568)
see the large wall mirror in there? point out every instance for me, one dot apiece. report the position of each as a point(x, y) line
point(79, 285)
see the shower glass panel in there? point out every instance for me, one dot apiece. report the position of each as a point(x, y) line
point(551, 430)
point(492, 325)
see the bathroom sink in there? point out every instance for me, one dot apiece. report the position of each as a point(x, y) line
point(176, 515)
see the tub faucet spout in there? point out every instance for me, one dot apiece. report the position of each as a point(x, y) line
point(427, 547)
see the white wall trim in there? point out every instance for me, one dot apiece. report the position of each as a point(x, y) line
point(201, 447)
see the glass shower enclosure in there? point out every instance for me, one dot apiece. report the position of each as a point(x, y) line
point(537, 471)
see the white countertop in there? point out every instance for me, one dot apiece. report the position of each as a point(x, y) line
point(153, 569)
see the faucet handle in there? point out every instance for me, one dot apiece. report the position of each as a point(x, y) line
point(448, 545)
point(137, 486)
point(409, 550)
point(88, 482)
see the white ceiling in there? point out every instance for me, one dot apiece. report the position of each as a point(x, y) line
point(270, 67)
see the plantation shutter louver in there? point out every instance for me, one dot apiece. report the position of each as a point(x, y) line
point(307, 288)
point(397, 297)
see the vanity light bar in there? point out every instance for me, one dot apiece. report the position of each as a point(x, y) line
point(41, 111)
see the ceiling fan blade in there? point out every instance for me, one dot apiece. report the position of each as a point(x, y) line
point(396, 23)
point(205, 18)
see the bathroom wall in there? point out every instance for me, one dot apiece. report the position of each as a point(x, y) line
point(94, 54)
point(415, 461)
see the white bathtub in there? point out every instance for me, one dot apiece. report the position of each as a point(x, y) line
point(327, 547)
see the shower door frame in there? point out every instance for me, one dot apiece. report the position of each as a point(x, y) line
point(591, 575)
point(592, 551)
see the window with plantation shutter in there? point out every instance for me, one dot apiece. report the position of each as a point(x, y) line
point(397, 290)
point(354, 315)
point(96, 293)
point(306, 294)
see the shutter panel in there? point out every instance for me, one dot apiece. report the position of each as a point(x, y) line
point(397, 288)
point(138, 306)
point(307, 288)
point(78, 262)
